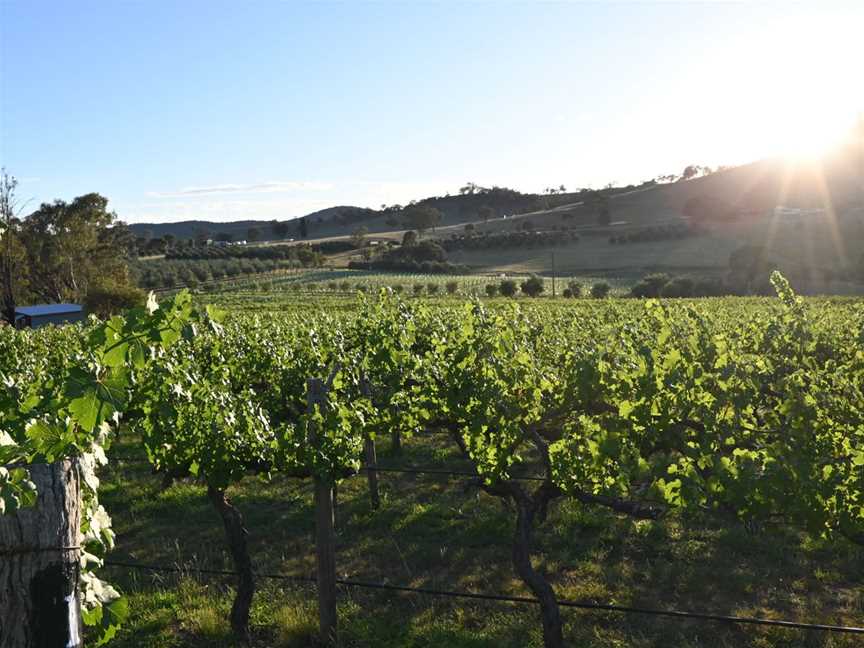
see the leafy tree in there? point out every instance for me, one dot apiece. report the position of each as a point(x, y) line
point(421, 218)
point(679, 287)
point(304, 228)
point(600, 290)
point(12, 253)
point(71, 246)
point(358, 236)
point(409, 238)
point(105, 300)
point(575, 288)
point(485, 213)
point(690, 171)
point(452, 287)
point(650, 285)
point(491, 290)
point(507, 287)
point(253, 234)
point(532, 286)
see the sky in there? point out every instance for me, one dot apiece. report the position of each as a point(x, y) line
point(270, 110)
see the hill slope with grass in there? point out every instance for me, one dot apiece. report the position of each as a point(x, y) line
point(806, 219)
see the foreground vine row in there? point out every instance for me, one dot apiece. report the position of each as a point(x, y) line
point(748, 409)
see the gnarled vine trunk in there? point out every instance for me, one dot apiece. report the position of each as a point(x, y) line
point(39, 563)
point(550, 614)
point(236, 534)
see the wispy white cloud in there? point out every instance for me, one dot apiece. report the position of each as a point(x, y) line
point(260, 187)
point(222, 203)
point(218, 210)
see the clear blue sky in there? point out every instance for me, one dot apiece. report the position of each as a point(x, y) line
point(228, 110)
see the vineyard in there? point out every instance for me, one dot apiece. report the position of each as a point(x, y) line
point(701, 455)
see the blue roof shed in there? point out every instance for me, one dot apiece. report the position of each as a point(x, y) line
point(42, 314)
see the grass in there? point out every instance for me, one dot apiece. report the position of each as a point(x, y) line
point(440, 532)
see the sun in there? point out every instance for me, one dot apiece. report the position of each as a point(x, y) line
point(793, 91)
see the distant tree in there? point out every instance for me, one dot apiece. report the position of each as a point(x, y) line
point(679, 287)
point(690, 171)
point(169, 240)
point(491, 290)
point(562, 189)
point(224, 237)
point(253, 234)
point(485, 213)
point(651, 285)
point(72, 246)
point(105, 300)
point(532, 286)
point(452, 287)
point(507, 287)
point(421, 218)
point(600, 290)
point(358, 236)
point(13, 257)
point(304, 228)
point(575, 288)
point(470, 229)
point(409, 238)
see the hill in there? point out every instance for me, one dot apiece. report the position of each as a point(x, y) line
point(806, 219)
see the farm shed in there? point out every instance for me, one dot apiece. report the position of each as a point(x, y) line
point(42, 314)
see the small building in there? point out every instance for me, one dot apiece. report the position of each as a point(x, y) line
point(42, 314)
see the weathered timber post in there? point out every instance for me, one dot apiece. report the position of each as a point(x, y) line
point(371, 472)
point(39, 563)
point(370, 456)
point(325, 541)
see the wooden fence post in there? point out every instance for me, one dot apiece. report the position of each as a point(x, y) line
point(325, 541)
point(39, 563)
point(371, 473)
point(370, 456)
